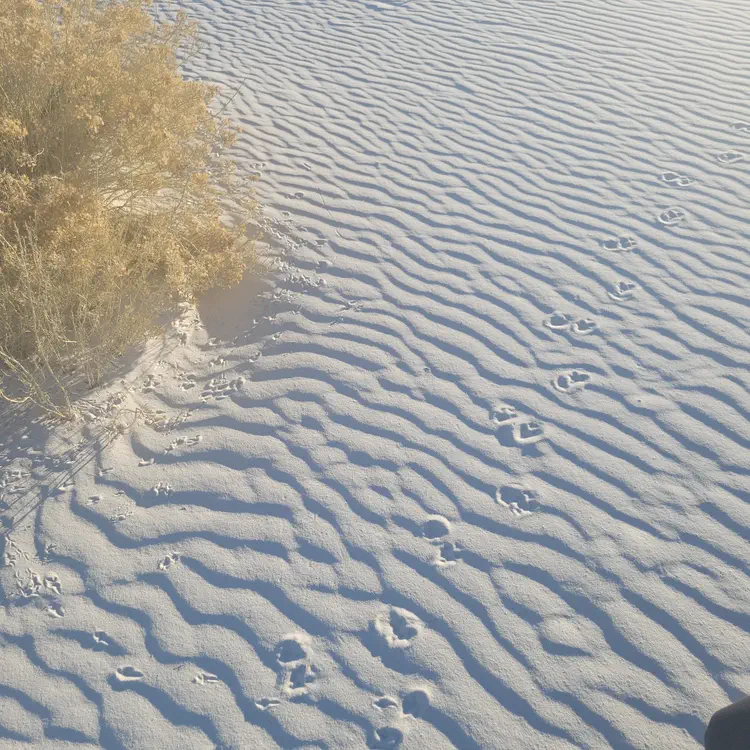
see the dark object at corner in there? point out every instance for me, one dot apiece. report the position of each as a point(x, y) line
point(729, 728)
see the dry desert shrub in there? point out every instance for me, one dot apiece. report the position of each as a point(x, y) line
point(113, 188)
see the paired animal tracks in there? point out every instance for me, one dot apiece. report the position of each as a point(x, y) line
point(672, 216)
point(205, 678)
point(448, 553)
point(297, 673)
point(620, 244)
point(221, 388)
point(122, 512)
point(186, 441)
point(42, 589)
point(560, 322)
point(519, 500)
point(168, 561)
point(623, 290)
point(515, 429)
point(673, 178)
point(572, 380)
point(163, 489)
point(730, 157)
point(350, 306)
point(398, 627)
point(415, 704)
point(127, 673)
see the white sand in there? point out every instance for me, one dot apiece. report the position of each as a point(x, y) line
point(478, 475)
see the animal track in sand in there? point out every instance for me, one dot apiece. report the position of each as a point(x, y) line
point(102, 640)
point(449, 554)
point(52, 582)
point(55, 609)
point(672, 216)
point(353, 305)
point(221, 388)
point(291, 649)
point(205, 678)
point(672, 178)
point(158, 419)
point(299, 678)
point(560, 322)
point(416, 703)
point(122, 512)
point(151, 383)
point(620, 244)
point(30, 587)
point(127, 673)
point(435, 527)
point(742, 126)
point(385, 702)
point(519, 500)
point(168, 561)
point(189, 442)
point(515, 429)
point(386, 738)
point(571, 381)
point(584, 326)
point(730, 157)
point(297, 673)
point(399, 627)
point(188, 383)
point(503, 414)
point(263, 704)
point(526, 433)
point(623, 290)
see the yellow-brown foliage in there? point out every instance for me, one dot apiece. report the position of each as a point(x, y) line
point(111, 185)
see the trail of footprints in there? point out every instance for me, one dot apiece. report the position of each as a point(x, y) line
point(43, 590)
point(675, 215)
point(293, 655)
point(397, 627)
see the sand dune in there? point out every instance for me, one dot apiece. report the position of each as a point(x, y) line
point(470, 471)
